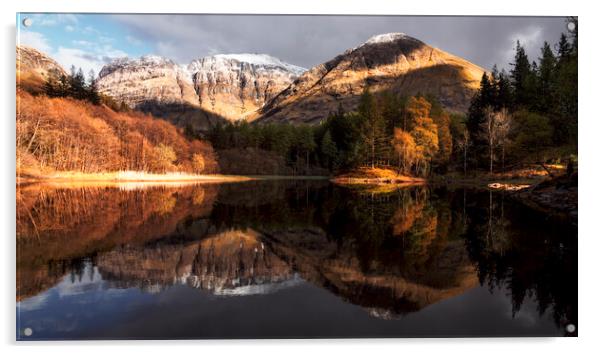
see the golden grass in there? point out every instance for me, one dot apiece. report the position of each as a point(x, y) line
point(367, 175)
point(133, 176)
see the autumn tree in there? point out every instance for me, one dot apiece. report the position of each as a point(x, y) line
point(405, 148)
point(424, 132)
point(163, 157)
point(198, 163)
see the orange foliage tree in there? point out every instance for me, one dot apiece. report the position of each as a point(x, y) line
point(63, 134)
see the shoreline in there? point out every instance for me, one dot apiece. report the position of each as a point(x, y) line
point(151, 178)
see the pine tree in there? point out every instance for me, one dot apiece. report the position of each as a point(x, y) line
point(328, 150)
point(51, 85)
point(563, 48)
point(91, 91)
point(545, 77)
point(374, 127)
point(77, 84)
point(504, 91)
point(522, 77)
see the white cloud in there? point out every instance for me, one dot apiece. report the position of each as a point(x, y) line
point(88, 60)
point(69, 28)
point(53, 19)
point(133, 40)
point(35, 40)
point(77, 57)
point(87, 54)
point(82, 43)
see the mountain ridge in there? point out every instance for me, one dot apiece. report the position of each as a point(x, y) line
point(262, 88)
point(392, 62)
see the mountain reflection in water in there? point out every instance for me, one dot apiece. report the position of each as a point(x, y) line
point(392, 254)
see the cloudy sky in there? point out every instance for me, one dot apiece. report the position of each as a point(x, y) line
point(90, 40)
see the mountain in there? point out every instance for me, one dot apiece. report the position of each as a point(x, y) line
point(155, 85)
point(147, 79)
point(393, 62)
point(225, 86)
point(234, 85)
point(34, 67)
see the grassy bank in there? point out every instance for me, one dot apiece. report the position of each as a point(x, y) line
point(375, 176)
point(130, 176)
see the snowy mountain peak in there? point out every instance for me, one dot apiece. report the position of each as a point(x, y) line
point(257, 60)
point(386, 37)
point(127, 62)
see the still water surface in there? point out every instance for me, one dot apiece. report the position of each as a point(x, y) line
point(288, 259)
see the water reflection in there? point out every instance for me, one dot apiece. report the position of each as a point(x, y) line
point(391, 254)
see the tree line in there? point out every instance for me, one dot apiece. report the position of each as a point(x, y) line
point(76, 85)
point(410, 134)
point(527, 112)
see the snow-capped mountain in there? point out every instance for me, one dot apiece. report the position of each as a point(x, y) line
point(147, 81)
point(224, 86)
point(392, 62)
point(234, 85)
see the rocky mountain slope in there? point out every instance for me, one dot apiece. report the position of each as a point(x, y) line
point(34, 67)
point(155, 85)
point(225, 86)
point(138, 82)
point(234, 85)
point(393, 61)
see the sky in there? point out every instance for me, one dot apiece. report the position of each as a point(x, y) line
point(91, 40)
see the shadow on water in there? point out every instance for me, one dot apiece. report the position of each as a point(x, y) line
point(411, 256)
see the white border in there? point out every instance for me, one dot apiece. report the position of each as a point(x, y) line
point(590, 130)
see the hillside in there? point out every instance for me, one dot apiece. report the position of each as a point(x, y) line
point(391, 62)
point(64, 134)
point(34, 67)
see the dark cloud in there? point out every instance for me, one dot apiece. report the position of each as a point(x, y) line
point(310, 40)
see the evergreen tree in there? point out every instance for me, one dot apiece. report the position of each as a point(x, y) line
point(374, 127)
point(563, 48)
point(504, 91)
point(77, 84)
point(487, 90)
point(522, 77)
point(328, 150)
point(91, 91)
point(545, 77)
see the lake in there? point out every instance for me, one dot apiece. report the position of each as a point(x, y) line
point(288, 259)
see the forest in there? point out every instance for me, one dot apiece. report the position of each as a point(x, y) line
point(526, 116)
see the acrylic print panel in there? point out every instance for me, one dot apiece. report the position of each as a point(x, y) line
point(295, 176)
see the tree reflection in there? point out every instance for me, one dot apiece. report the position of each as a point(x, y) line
point(391, 253)
point(517, 250)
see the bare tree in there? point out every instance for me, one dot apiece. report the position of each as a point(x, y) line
point(464, 143)
point(496, 130)
point(503, 125)
point(489, 133)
